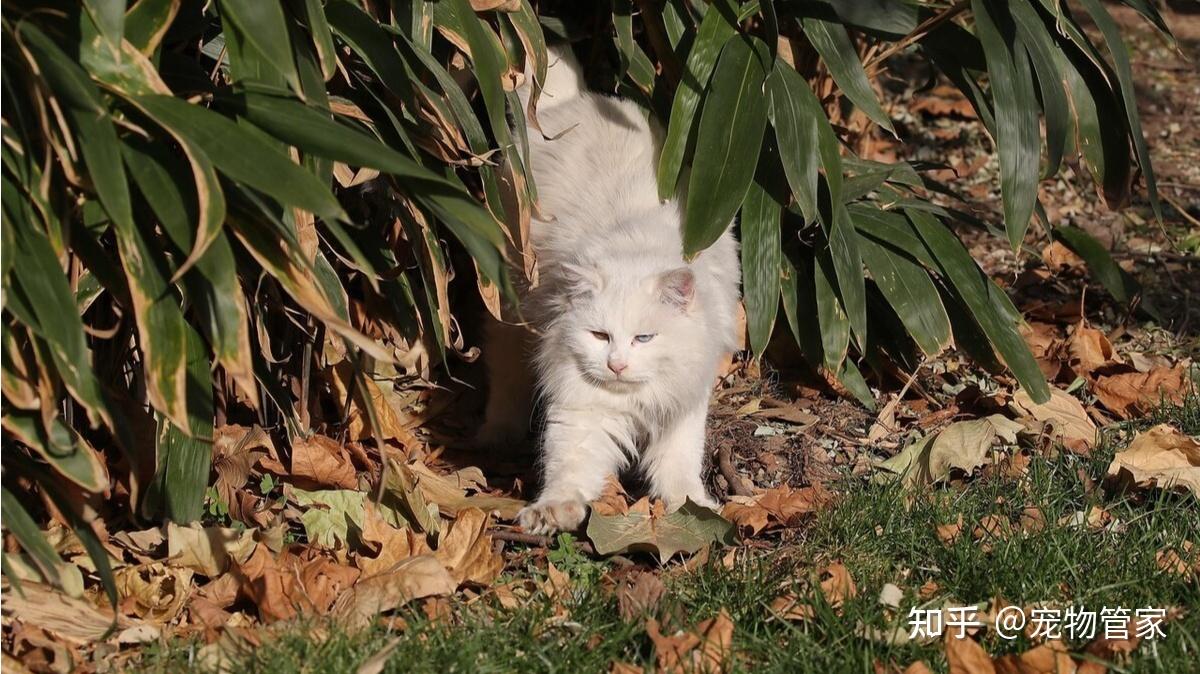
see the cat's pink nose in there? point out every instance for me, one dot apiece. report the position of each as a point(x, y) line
point(617, 367)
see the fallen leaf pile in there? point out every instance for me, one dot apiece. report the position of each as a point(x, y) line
point(1126, 386)
point(302, 536)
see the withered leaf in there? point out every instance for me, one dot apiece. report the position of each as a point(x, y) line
point(687, 529)
point(414, 578)
point(318, 461)
point(1064, 415)
point(465, 549)
point(1133, 394)
point(1160, 457)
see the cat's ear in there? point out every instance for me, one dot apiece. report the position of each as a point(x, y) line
point(678, 287)
point(581, 280)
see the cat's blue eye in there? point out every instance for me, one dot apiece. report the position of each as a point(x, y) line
point(642, 339)
point(602, 336)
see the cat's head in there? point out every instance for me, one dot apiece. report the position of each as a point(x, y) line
point(625, 326)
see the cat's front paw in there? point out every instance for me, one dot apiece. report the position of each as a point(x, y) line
point(548, 517)
point(699, 497)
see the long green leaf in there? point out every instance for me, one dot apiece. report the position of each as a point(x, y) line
point(185, 457)
point(716, 28)
point(1119, 283)
point(729, 140)
point(1120, 55)
point(1017, 140)
point(847, 263)
point(838, 52)
point(147, 22)
point(911, 292)
point(634, 61)
point(1036, 39)
point(264, 28)
point(831, 316)
point(18, 521)
point(800, 126)
point(37, 269)
point(60, 447)
point(761, 260)
point(318, 27)
point(243, 156)
point(98, 140)
point(487, 55)
point(372, 44)
point(990, 307)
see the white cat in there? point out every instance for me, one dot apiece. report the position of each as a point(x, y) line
point(627, 335)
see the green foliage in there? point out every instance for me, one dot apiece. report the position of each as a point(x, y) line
point(186, 236)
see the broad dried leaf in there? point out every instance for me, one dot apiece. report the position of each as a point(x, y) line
point(209, 550)
point(1103, 650)
point(73, 620)
point(837, 585)
point(387, 544)
point(319, 461)
point(1134, 394)
point(961, 446)
point(466, 549)
point(267, 584)
point(1161, 457)
point(780, 506)
point(236, 452)
point(1058, 257)
point(1065, 416)
point(638, 595)
point(707, 648)
point(449, 492)
point(687, 529)
point(790, 607)
point(1088, 350)
point(414, 578)
point(612, 500)
point(1182, 561)
point(1051, 657)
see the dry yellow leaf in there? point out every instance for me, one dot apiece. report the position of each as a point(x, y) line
point(1160, 457)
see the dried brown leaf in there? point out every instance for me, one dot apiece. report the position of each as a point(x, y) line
point(414, 578)
point(153, 592)
point(1161, 457)
point(1133, 394)
point(837, 585)
point(1064, 416)
point(466, 549)
point(318, 461)
point(638, 595)
point(965, 656)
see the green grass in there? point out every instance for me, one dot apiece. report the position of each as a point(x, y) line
point(872, 532)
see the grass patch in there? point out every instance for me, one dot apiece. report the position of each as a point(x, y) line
point(870, 530)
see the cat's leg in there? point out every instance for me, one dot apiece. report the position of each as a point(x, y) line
point(579, 453)
point(510, 384)
point(673, 462)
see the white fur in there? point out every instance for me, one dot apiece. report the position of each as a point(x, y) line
point(610, 261)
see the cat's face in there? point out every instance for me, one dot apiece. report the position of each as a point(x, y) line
point(627, 329)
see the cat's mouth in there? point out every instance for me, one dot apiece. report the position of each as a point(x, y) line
point(615, 383)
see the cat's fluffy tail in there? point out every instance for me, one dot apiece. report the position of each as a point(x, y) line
point(564, 78)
